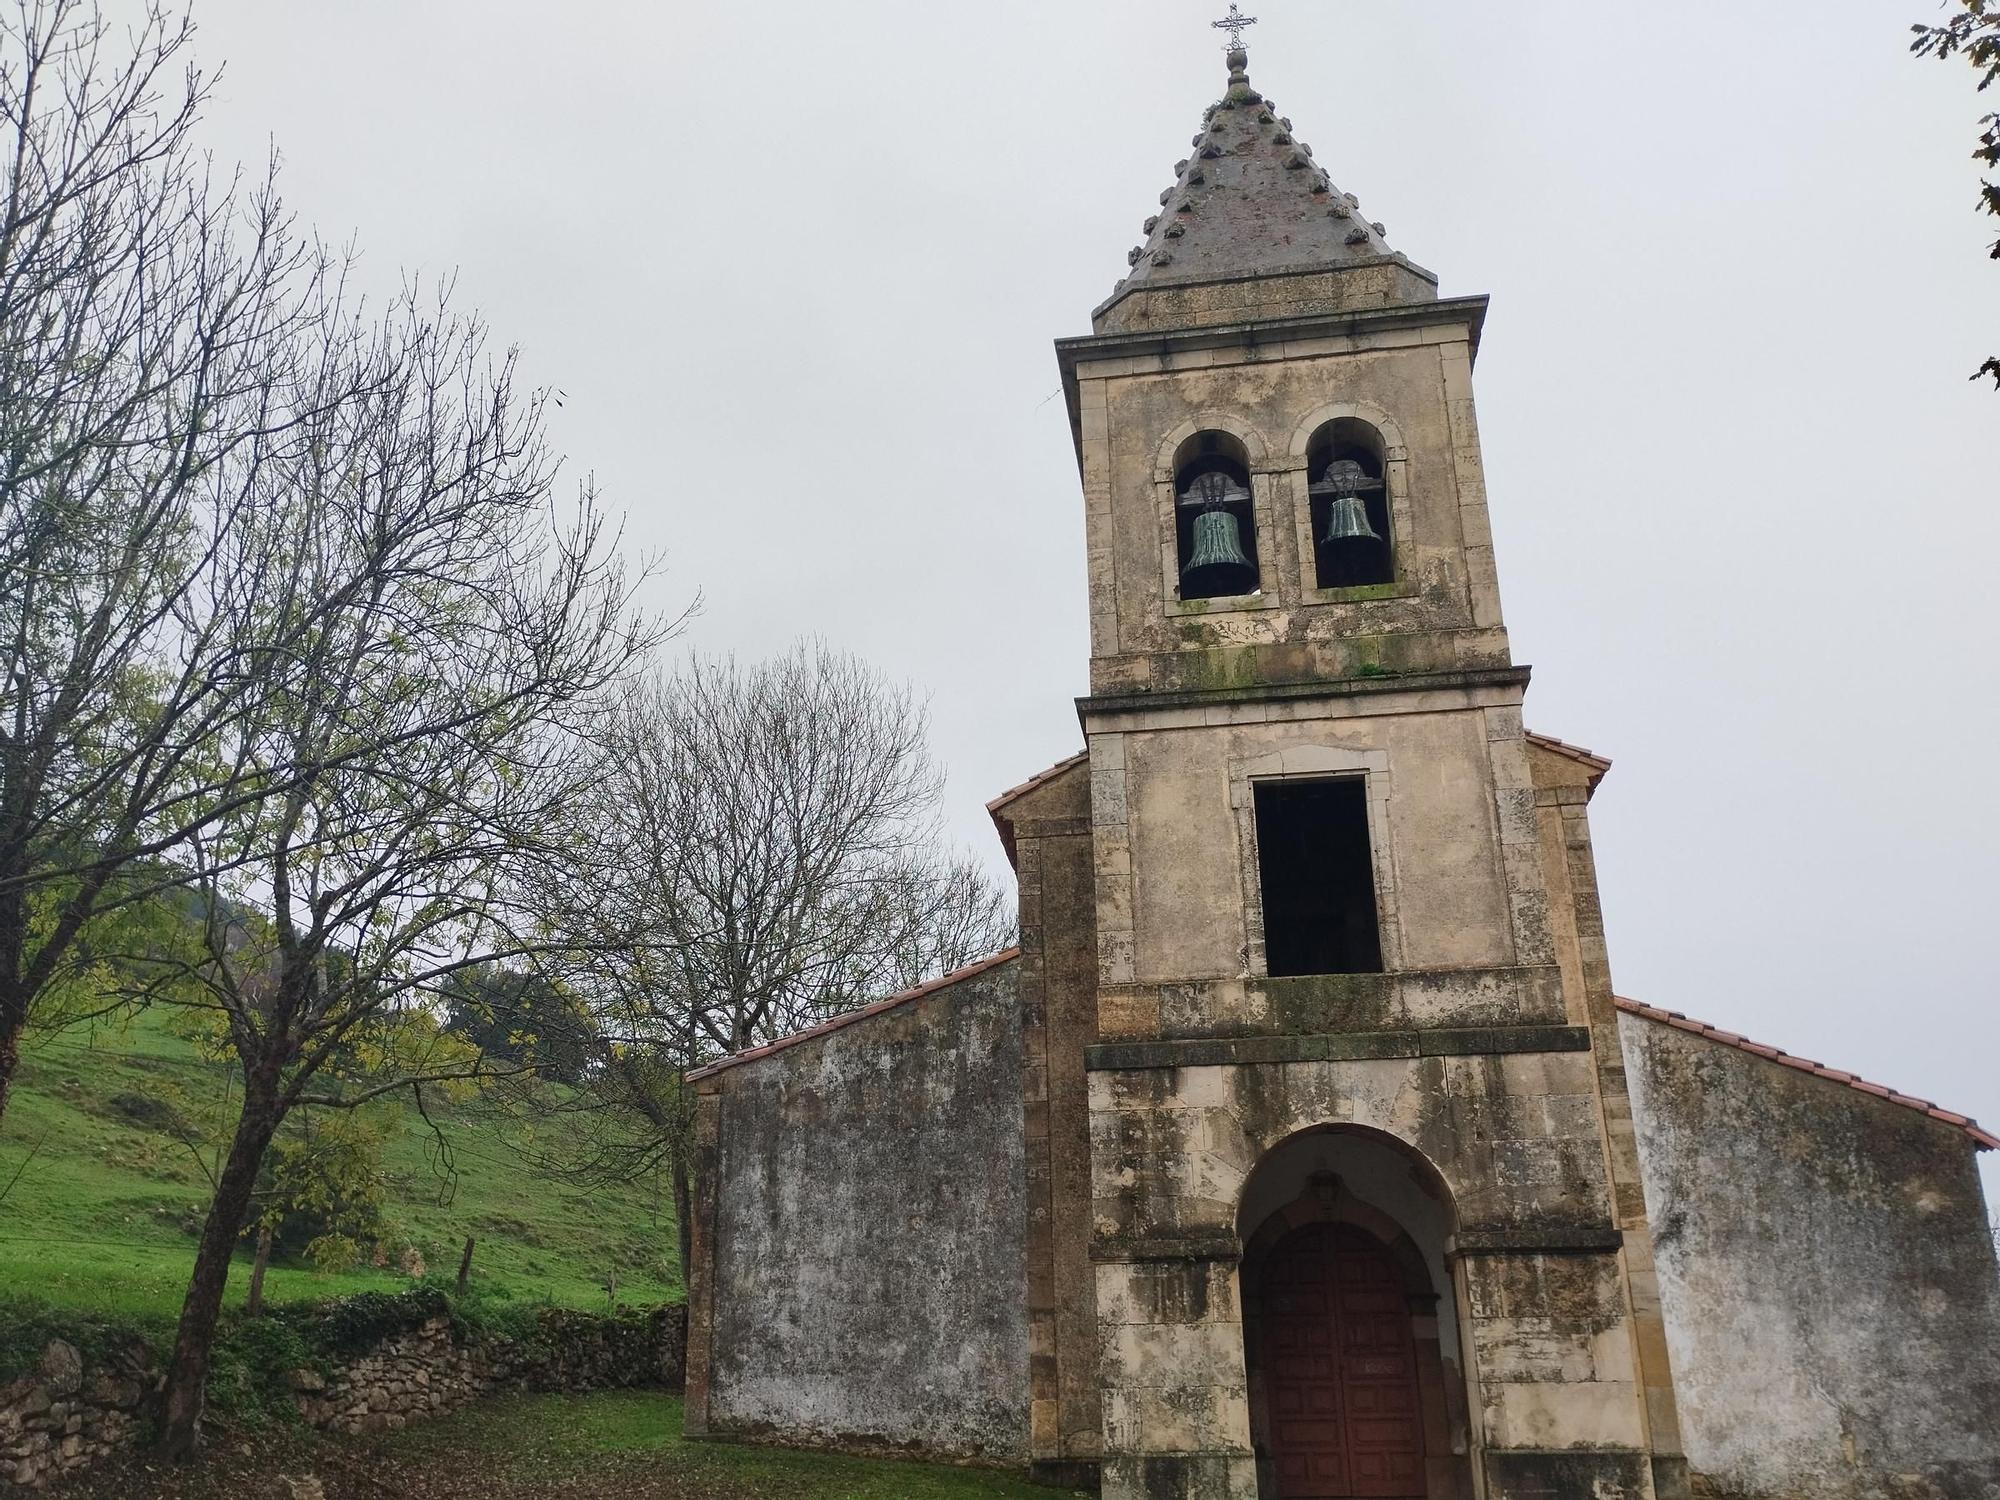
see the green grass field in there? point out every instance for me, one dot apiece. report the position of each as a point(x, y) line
point(545, 1442)
point(102, 1215)
point(616, 1445)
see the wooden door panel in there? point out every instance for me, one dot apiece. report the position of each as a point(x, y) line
point(1339, 1369)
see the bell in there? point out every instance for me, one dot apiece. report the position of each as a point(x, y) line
point(1216, 564)
point(1347, 521)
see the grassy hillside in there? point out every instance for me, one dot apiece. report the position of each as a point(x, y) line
point(103, 1215)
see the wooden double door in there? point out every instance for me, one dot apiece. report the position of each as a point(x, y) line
point(1343, 1411)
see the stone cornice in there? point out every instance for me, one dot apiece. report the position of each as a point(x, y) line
point(1196, 1052)
point(1346, 322)
point(1072, 352)
point(1514, 679)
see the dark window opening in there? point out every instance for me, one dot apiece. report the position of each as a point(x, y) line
point(1318, 878)
point(1215, 528)
point(1350, 507)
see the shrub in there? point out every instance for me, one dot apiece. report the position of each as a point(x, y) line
point(331, 1254)
point(354, 1325)
point(323, 1180)
point(248, 1375)
point(149, 1111)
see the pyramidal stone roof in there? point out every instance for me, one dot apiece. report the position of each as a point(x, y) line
point(1249, 200)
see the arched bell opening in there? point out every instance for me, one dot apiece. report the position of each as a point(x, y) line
point(1350, 1329)
point(1215, 524)
point(1349, 491)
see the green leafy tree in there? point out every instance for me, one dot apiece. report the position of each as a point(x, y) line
point(149, 313)
point(323, 1175)
point(433, 627)
point(522, 1017)
point(1974, 34)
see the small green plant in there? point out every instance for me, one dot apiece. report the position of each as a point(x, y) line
point(353, 1325)
point(332, 1254)
point(253, 1359)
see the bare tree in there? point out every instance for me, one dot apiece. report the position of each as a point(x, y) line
point(785, 820)
point(761, 851)
point(427, 631)
point(147, 319)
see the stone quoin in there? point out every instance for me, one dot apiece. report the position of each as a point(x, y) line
point(1302, 1149)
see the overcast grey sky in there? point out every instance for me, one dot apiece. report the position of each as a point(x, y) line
point(797, 267)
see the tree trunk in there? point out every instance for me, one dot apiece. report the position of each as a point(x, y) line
point(11, 1027)
point(187, 1372)
point(13, 995)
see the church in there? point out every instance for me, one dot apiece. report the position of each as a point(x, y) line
point(1303, 1149)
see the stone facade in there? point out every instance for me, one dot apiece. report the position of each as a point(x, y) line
point(1452, 1130)
point(1832, 1301)
point(1475, 1050)
point(861, 1206)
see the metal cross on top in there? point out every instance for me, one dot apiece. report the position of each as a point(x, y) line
point(1233, 23)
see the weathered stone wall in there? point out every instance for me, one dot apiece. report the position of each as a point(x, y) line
point(1831, 1296)
point(1049, 833)
point(1548, 1328)
point(861, 1276)
point(1407, 375)
point(69, 1413)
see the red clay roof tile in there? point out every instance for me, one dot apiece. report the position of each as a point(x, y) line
point(1985, 1140)
point(840, 1022)
point(996, 808)
point(1590, 759)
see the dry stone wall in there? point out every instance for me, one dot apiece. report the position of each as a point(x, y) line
point(61, 1417)
point(69, 1413)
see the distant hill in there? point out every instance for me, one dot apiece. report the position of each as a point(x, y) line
point(103, 1214)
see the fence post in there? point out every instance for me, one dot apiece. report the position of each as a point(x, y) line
point(254, 1304)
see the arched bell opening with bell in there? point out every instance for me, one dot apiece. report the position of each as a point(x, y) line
point(1352, 545)
point(1215, 524)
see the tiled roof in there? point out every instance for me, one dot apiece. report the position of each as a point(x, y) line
point(1984, 1140)
point(997, 807)
point(840, 1022)
point(1249, 199)
point(1040, 778)
point(1596, 763)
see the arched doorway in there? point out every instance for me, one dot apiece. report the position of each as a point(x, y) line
point(1350, 1343)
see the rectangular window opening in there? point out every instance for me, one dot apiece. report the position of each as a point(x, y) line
point(1318, 877)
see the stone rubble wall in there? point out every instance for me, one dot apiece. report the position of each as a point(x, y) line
point(63, 1417)
point(60, 1417)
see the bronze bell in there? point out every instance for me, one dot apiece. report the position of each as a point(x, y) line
point(1347, 516)
point(1347, 521)
point(1216, 562)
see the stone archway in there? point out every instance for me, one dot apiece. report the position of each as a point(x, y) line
point(1350, 1339)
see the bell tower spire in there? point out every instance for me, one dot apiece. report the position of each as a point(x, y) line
point(1326, 879)
point(1252, 201)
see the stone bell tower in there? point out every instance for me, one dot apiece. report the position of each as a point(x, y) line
point(1337, 1193)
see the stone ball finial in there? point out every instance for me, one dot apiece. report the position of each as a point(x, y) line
point(1239, 62)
